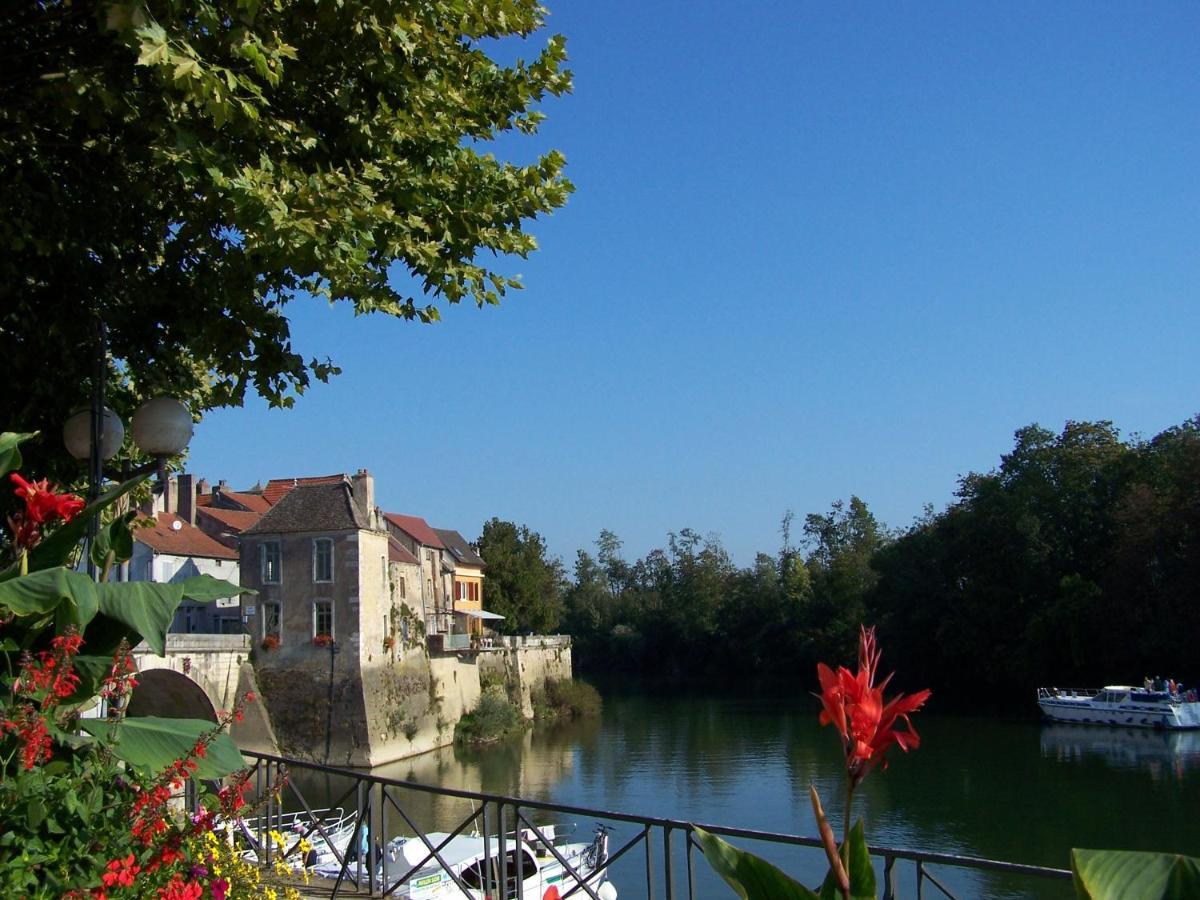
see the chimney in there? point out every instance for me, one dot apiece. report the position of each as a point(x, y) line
point(187, 498)
point(202, 487)
point(171, 496)
point(363, 486)
point(222, 485)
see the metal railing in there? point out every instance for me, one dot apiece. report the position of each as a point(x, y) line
point(377, 802)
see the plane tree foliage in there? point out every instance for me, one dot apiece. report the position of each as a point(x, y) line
point(184, 170)
point(524, 582)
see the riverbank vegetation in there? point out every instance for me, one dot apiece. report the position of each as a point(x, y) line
point(493, 718)
point(1071, 563)
point(567, 698)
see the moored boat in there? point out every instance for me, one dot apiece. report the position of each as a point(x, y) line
point(1130, 707)
point(537, 865)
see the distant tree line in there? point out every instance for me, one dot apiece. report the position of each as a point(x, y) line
point(1076, 562)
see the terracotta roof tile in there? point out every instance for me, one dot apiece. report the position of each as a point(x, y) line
point(277, 488)
point(234, 520)
point(253, 502)
point(417, 528)
point(184, 540)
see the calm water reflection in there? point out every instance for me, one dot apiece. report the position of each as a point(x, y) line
point(1006, 790)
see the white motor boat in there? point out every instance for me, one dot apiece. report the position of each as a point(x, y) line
point(1129, 707)
point(327, 833)
point(469, 866)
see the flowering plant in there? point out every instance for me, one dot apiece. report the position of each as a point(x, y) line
point(270, 642)
point(87, 802)
point(868, 727)
point(389, 643)
point(322, 640)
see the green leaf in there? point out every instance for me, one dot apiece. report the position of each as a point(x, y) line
point(206, 588)
point(10, 456)
point(44, 592)
point(115, 538)
point(146, 607)
point(35, 812)
point(1133, 875)
point(860, 870)
point(152, 743)
point(751, 878)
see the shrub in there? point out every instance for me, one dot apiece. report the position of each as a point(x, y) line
point(568, 698)
point(493, 718)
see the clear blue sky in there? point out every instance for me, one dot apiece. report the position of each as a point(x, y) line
point(815, 250)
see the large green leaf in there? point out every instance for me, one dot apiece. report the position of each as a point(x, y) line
point(751, 878)
point(10, 456)
point(862, 874)
point(1133, 875)
point(205, 588)
point(47, 591)
point(152, 743)
point(114, 538)
point(145, 606)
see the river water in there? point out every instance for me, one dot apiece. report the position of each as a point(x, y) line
point(1015, 791)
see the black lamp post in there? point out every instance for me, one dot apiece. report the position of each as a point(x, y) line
point(162, 427)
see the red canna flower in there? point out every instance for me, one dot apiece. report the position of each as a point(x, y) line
point(121, 872)
point(855, 706)
point(42, 505)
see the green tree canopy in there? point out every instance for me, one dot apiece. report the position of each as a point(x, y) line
point(183, 169)
point(523, 583)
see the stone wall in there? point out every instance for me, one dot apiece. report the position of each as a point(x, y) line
point(525, 664)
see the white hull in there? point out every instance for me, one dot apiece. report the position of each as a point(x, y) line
point(1121, 706)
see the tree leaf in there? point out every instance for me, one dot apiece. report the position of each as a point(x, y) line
point(1134, 875)
point(751, 878)
point(44, 592)
point(147, 607)
point(152, 743)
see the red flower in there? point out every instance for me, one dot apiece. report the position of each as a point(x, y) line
point(855, 705)
point(42, 505)
point(121, 872)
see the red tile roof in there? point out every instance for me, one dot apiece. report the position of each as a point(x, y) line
point(253, 502)
point(397, 552)
point(173, 535)
point(277, 488)
point(234, 520)
point(417, 528)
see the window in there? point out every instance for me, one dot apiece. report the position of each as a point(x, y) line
point(474, 592)
point(323, 559)
point(401, 580)
point(271, 618)
point(462, 590)
point(269, 553)
point(322, 617)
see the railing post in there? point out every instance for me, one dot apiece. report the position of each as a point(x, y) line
point(519, 846)
point(920, 879)
point(688, 844)
point(487, 851)
point(889, 886)
point(646, 836)
point(668, 874)
point(264, 834)
point(384, 833)
point(501, 853)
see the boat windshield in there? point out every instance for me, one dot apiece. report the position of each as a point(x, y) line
point(1111, 696)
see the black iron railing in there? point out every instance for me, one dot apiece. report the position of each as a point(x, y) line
point(381, 810)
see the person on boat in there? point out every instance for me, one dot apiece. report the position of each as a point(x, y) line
point(1148, 683)
point(1171, 686)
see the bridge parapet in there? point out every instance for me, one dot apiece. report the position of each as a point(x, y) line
point(210, 660)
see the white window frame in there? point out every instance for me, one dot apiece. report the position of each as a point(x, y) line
point(317, 542)
point(264, 569)
point(316, 615)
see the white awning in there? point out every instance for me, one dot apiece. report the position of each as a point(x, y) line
point(479, 614)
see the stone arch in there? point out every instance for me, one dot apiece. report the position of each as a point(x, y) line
point(164, 692)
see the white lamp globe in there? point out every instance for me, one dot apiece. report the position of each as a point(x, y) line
point(607, 891)
point(162, 427)
point(77, 434)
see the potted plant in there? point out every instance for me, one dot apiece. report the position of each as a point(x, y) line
point(270, 642)
point(322, 640)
